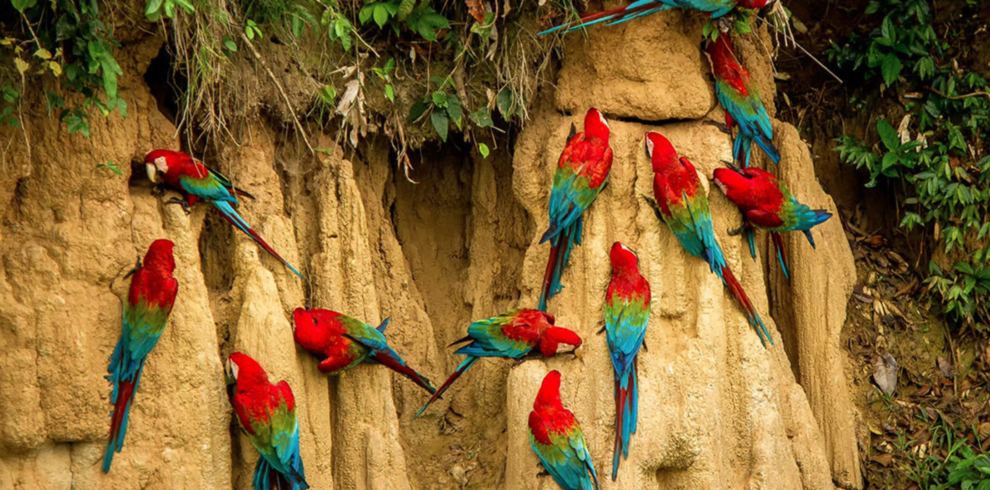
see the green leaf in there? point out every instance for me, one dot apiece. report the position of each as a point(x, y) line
point(888, 135)
point(504, 103)
point(404, 8)
point(482, 118)
point(152, 10)
point(390, 93)
point(381, 15)
point(890, 69)
point(366, 13)
point(440, 124)
point(417, 110)
point(483, 149)
point(22, 5)
point(454, 110)
point(228, 42)
point(188, 7)
point(440, 99)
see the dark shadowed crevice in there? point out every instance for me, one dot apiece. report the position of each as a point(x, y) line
point(164, 83)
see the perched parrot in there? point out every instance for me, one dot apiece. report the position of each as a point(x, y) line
point(765, 202)
point(342, 342)
point(520, 334)
point(642, 8)
point(149, 302)
point(267, 414)
point(627, 312)
point(557, 439)
point(197, 181)
point(683, 205)
point(582, 174)
point(742, 103)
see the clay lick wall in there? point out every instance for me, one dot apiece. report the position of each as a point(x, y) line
point(716, 409)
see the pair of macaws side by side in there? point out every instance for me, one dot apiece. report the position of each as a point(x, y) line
point(195, 181)
point(641, 8)
point(342, 342)
point(266, 413)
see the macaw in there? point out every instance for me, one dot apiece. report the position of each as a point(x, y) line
point(557, 439)
point(520, 334)
point(196, 181)
point(766, 202)
point(683, 205)
point(267, 415)
point(642, 8)
point(627, 312)
point(582, 174)
point(342, 342)
point(149, 303)
point(742, 103)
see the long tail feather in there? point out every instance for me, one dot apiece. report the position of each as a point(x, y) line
point(235, 219)
point(625, 416)
point(465, 365)
point(754, 318)
point(768, 148)
point(391, 360)
point(751, 240)
point(560, 252)
point(778, 245)
point(124, 392)
point(267, 477)
point(635, 9)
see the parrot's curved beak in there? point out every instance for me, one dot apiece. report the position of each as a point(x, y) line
point(152, 172)
point(231, 372)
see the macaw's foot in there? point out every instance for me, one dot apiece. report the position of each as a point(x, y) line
point(601, 330)
point(135, 269)
point(738, 231)
point(180, 202)
point(542, 473)
point(720, 126)
point(645, 348)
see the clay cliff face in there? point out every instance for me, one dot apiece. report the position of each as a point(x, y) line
point(717, 410)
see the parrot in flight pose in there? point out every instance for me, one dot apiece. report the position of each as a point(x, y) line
point(742, 103)
point(766, 202)
point(627, 312)
point(642, 8)
point(267, 415)
point(196, 181)
point(557, 439)
point(342, 342)
point(520, 334)
point(683, 205)
point(149, 303)
point(582, 174)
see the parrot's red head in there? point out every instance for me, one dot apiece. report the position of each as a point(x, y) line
point(622, 257)
point(244, 371)
point(554, 336)
point(731, 180)
point(302, 320)
point(157, 162)
point(595, 125)
point(660, 152)
point(159, 255)
point(549, 395)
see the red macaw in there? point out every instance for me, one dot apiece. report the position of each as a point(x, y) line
point(582, 174)
point(766, 202)
point(342, 342)
point(683, 205)
point(742, 103)
point(642, 8)
point(517, 334)
point(627, 312)
point(557, 439)
point(149, 303)
point(196, 181)
point(267, 414)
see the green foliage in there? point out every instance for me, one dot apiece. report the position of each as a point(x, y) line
point(385, 74)
point(443, 109)
point(155, 9)
point(935, 151)
point(8, 104)
point(950, 460)
point(421, 19)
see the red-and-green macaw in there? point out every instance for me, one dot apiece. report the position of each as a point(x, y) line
point(582, 174)
point(683, 205)
point(149, 303)
point(519, 334)
point(766, 202)
point(742, 103)
point(196, 181)
point(642, 8)
point(342, 342)
point(557, 439)
point(267, 414)
point(627, 312)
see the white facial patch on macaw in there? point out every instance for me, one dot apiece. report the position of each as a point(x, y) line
point(721, 185)
point(623, 247)
point(162, 164)
point(649, 146)
point(602, 119)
